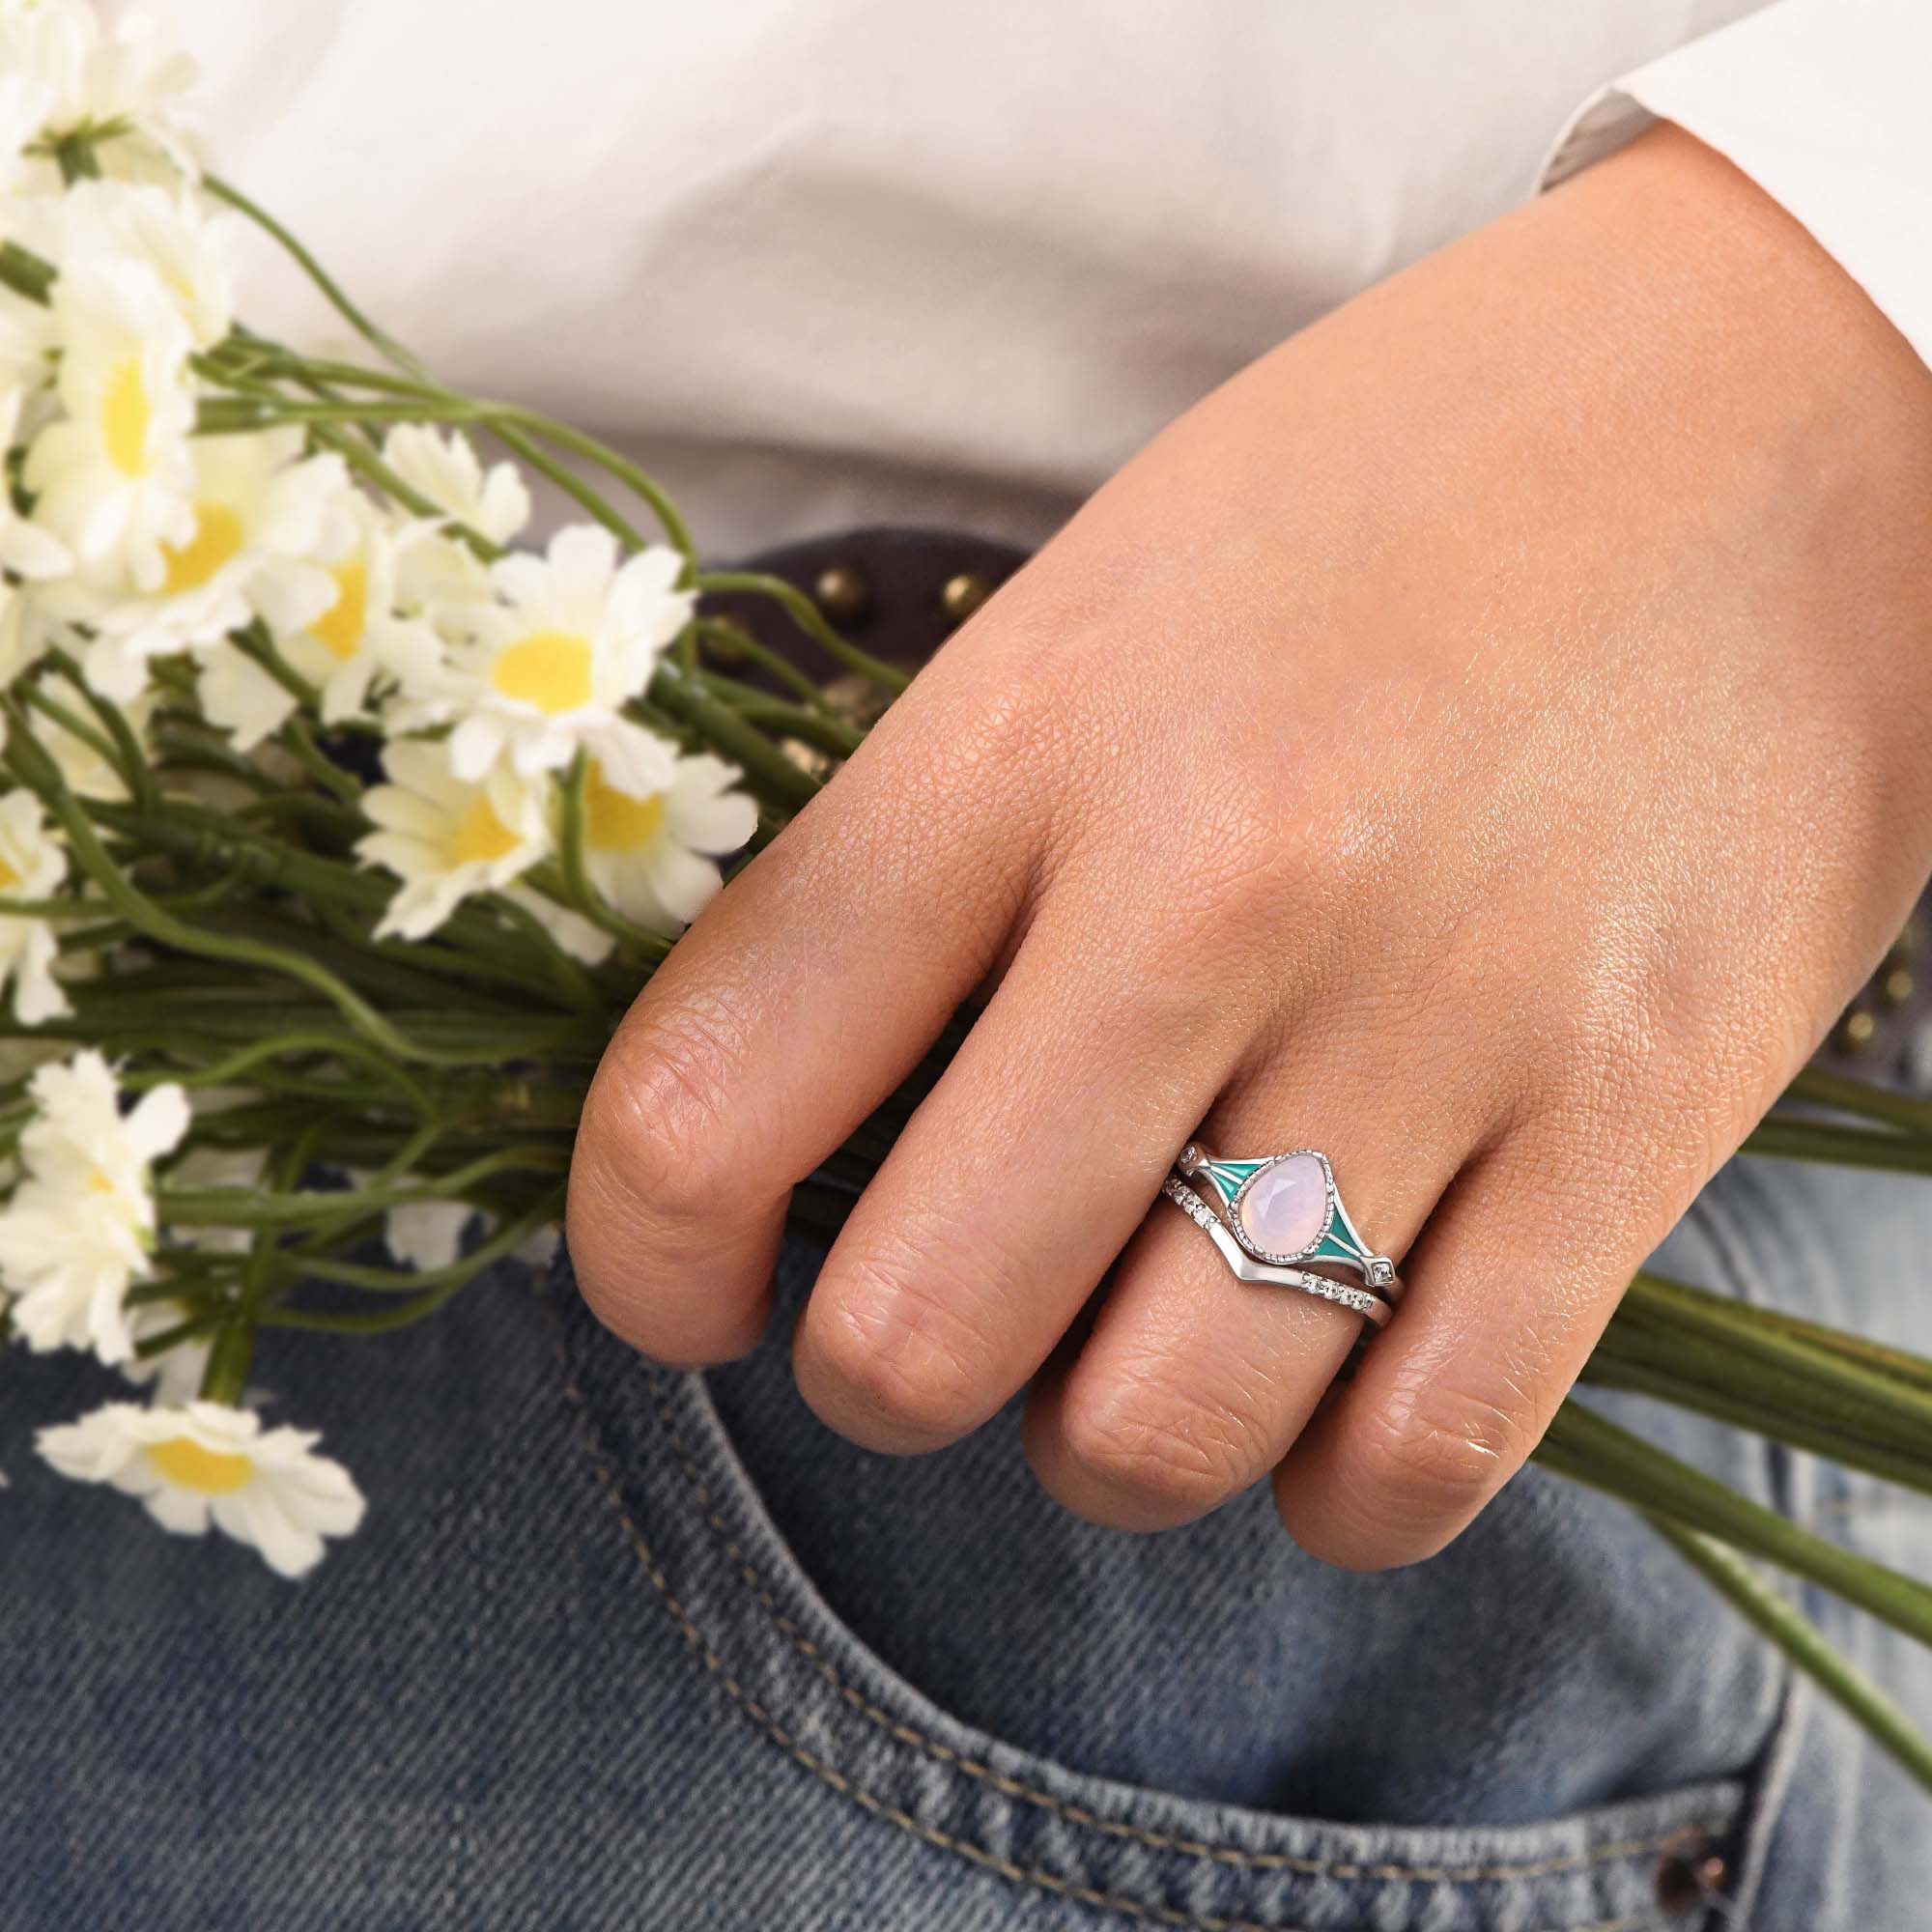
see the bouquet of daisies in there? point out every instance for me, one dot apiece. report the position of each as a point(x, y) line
point(338, 828)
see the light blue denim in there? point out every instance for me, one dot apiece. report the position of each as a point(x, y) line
point(622, 1648)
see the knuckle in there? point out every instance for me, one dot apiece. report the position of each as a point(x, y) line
point(654, 1117)
point(1174, 1456)
point(647, 1170)
point(1437, 1455)
point(889, 1354)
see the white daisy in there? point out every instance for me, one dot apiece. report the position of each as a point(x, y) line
point(33, 866)
point(656, 859)
point(264, 519)
point(546, 668)
point(361, 641)
point(447, 470)
point(78, 1230)
point(114, 480)
point(440, 575)
point(123, 86)
point(203, 1462)
point(446, 836)
point(190, 250)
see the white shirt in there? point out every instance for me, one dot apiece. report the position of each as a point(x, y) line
point(821, 263)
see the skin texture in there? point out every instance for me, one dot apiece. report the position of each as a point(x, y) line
point(1490, 739)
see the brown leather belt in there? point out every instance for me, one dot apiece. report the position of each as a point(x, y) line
point(903, 593)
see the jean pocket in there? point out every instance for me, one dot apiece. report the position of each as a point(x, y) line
point(1084, 1847)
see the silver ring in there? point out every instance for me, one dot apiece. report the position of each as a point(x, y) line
point(1284, 1208)
point(1361, 1301)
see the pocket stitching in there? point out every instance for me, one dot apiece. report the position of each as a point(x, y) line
point(1225, 1854)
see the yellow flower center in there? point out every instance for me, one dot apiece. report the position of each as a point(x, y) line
point(616, 822)
point(8, 878)
point(549, 668)
point(189, 1466)
point(125, 417)
point(216, 539)
point(481, 837)
point(341, 626)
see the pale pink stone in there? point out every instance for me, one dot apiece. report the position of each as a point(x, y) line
point(1282, 1210)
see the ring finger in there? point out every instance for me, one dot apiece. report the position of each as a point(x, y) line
point(1193, 1384)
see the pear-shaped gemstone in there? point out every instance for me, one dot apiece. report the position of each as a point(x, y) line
point(1286, 1206)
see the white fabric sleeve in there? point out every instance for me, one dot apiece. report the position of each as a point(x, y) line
point(1827, 104)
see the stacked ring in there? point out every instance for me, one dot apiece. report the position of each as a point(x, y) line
point(1267, 1216)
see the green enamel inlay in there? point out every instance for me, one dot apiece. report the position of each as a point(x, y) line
point(1228, 1176)
point(1335, 1245)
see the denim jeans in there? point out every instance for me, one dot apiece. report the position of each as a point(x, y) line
point(627, 1648)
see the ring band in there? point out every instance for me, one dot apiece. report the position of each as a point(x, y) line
point(1361, 1301)
point(1284, 1208)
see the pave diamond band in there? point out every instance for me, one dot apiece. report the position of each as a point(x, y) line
point(1360, 1301)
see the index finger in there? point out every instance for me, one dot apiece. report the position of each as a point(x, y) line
point(797, 1003)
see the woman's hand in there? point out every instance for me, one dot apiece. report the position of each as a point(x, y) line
point(1489, 739)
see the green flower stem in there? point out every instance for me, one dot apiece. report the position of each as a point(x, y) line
point(586, 495)
point(510, 422)
point(192, 1329)
point(830, 734)
point(1780, 1139)
point(183, 1284)
point(473, 949)
point(373, 470)
point(1653, 1297)
point(252, 1207)
point(1755, 1598)
point(109, 737)
point(38, 771)
point(244, 413)
point(460, 1040)
point(299, 741)
point(433, 1286)
point(404, 972)
point(573, 982)
point(70, 722)
point(26, 274)
point(1787, 1425)
point(1898, 1364)
point(522, 430)
point(51, 909)
point(378, 338)
point(768, 772)
point(1590, 1449)
point(1816, 1088)
point(225, 1071)
point(357, 1222)
point(1721, 1345)
point(727, 637)
point(184, 743)
point(809, 618)
point(225, 1379)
